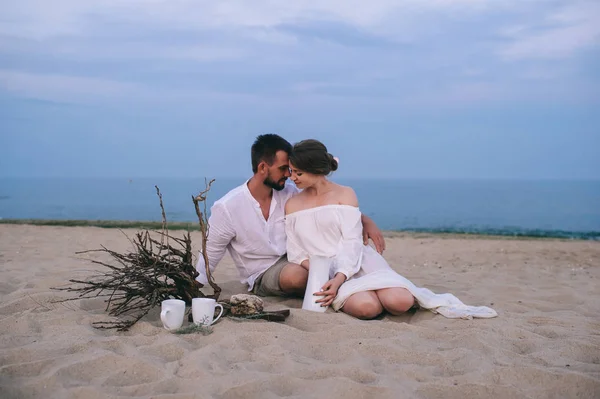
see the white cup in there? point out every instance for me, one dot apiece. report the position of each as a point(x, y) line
point(172, 313)
point(203, 311)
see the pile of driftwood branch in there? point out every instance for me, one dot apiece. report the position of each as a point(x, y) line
point(159, 267)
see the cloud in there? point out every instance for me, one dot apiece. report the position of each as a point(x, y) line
point(87, 90)
point(276, 52)
point(559, 34)
point(57, 88)
point(181, 72)
point(39, 19)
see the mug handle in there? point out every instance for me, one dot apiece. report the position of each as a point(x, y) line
point(163, 317)
point(220, 314)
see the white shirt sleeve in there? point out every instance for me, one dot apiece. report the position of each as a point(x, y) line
point(350, 250)
point(295, 253)
point(220, 234)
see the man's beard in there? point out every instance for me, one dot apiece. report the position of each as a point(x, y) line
point(274, 185)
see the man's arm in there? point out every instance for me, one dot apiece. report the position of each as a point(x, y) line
point(220, 234)
point(370, 230)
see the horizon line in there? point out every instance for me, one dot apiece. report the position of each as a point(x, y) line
point(332, 177)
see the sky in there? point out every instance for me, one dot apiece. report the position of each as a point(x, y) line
point(450, 89)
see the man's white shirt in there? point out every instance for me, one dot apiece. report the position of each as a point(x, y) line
point(237, 224)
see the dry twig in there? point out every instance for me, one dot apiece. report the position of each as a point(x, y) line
point(154, 271)
point(204, 227)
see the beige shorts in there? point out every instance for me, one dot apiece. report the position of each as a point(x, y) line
point(267, 284)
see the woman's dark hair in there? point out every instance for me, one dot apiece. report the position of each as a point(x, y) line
point(311, 156)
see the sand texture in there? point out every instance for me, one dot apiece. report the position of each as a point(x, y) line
point(544, 344)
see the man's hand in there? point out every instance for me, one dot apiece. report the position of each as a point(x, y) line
point(371, 231)
point(330, 289)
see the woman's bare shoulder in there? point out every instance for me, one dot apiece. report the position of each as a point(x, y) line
point(293, 204)
point(346, 195)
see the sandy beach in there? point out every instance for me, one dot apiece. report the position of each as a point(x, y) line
point(544, 344)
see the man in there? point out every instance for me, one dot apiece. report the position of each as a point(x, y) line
point(249, 222)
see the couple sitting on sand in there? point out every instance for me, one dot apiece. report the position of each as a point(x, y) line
point(272, 230)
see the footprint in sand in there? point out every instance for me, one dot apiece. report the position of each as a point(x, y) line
point(167, 353)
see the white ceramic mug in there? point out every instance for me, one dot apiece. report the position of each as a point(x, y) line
point(172, 313)
point(203, 311)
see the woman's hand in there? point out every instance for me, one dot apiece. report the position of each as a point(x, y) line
point(330, 289)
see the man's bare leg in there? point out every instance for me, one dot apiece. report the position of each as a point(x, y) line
point(293, 279)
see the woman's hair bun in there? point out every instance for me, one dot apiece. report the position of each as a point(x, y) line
point(333, 161)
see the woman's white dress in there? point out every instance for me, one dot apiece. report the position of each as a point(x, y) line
point(335, 232)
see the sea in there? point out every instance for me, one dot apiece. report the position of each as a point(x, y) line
point(539, 208)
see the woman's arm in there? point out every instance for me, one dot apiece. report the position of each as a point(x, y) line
point(348, 259)
point(370, 230)
point(349, 255)
point(295, 253)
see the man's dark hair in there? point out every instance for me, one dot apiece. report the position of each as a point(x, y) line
point(311, 156)
point(265, 147)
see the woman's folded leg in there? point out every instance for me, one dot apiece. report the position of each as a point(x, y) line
point(395, 300)
point(363, 305)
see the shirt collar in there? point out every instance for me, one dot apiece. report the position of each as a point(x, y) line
point(274, 199)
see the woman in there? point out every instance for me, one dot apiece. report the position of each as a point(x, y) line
point(325, 220)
